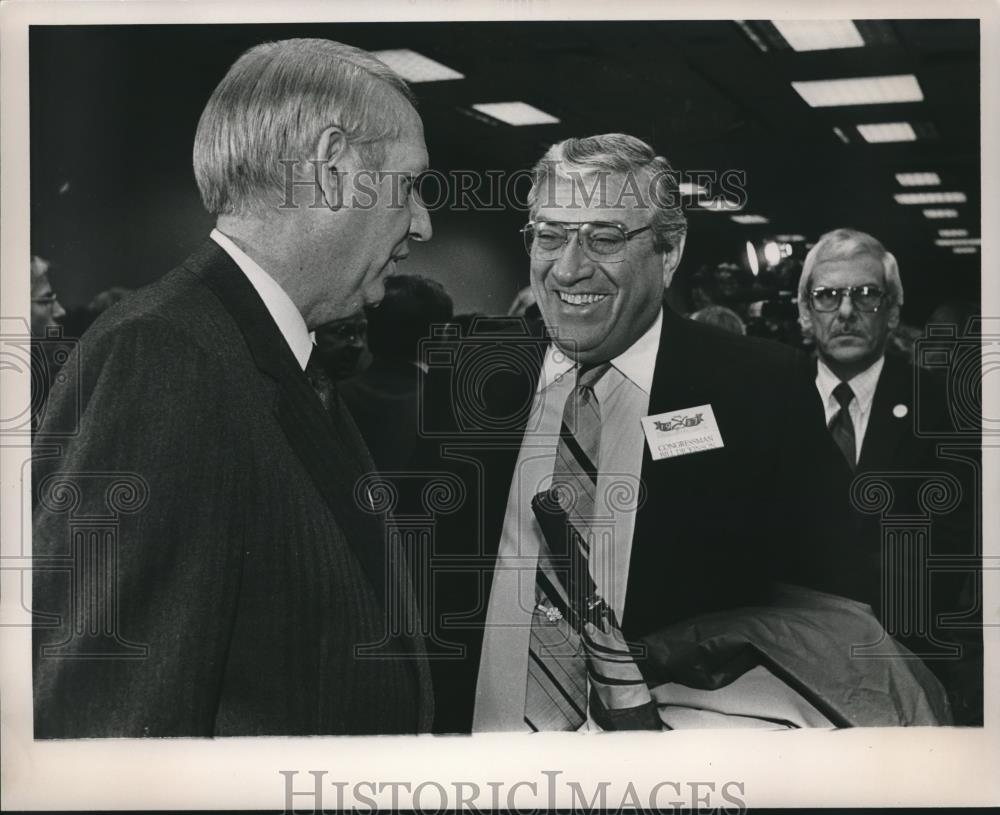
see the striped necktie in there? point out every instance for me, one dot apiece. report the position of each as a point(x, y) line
point(841, 427)
point(556, 689)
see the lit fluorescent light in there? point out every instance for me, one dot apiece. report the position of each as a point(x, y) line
point(841, 135)
point(953, 233)
point(720, 205)
point(958, 242)
point(414, 67)
point(965, 250)
point(868, 90)
point(941, 213)
point(687, 188)
point(516, 113)
point(819, 35)
point(749, 219)
point(918, 179)
point(930, 197)
point(887, 132)
point(790, 238)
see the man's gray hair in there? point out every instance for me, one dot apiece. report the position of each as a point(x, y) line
point(39, 269)
point(620, 154)
point(272, 106)
point(841, 244)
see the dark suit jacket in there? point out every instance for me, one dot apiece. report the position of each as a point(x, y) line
point(383, 402)
point(716, 528)
point(909, 444)
point(227, 585)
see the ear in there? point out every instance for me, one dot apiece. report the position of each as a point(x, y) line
point(331, 159)
point(805, 319)
point(672, 259)
point(893, 320)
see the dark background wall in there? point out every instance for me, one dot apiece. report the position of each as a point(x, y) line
point(114, 110)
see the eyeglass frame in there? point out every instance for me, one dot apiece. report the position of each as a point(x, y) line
point(576, 226)
point(46, 300)
point(849, 291)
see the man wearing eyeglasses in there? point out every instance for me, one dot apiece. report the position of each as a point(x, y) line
point(653, 476)
point(850, 295)
point(46, 314)
point(46, 310)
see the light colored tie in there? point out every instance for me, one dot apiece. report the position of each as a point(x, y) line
point(556, 689)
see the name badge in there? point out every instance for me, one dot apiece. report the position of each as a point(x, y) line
point(679, 432)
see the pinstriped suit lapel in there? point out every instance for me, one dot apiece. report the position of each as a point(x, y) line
point(328, 445)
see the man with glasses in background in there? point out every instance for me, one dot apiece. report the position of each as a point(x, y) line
point(46, 310)
point(657, 482)
point(850, 295)
point(46, 316)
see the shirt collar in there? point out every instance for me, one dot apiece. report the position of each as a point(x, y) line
point(279, 305)
point(863, 384)
point(636, 363)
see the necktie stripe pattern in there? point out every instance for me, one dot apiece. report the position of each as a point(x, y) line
point(556, 689)
point(841, 427)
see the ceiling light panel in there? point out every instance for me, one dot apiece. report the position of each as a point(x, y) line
point(414, 67)
point(516, 113)
point(869, 90)
point(884, 132)
point(930, 197)
point(720, 205)
point(918, 179)
point(687, 188)
point(965, 250)
point(749, 219)
point(819, 35)
point(958, 242)
point(953, 233)
point(941, 213)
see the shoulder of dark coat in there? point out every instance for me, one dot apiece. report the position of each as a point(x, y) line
point(176, 312)
point(739, 357)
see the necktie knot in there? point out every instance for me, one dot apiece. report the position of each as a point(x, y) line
point(588, 375)
point(843, 394)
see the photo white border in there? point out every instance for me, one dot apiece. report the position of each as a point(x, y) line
point(862, 767)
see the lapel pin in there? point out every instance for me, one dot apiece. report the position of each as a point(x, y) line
point(900, 411)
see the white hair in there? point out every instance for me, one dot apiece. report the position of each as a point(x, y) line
point(272, 106)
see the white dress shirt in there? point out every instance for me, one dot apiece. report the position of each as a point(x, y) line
point(279, 305)
point(623, 396)
point(860, 408)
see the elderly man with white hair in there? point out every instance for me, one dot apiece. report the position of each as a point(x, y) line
point(850, 295)
point(242, 585)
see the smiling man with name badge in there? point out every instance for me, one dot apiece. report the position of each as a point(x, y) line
point(665, 474)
